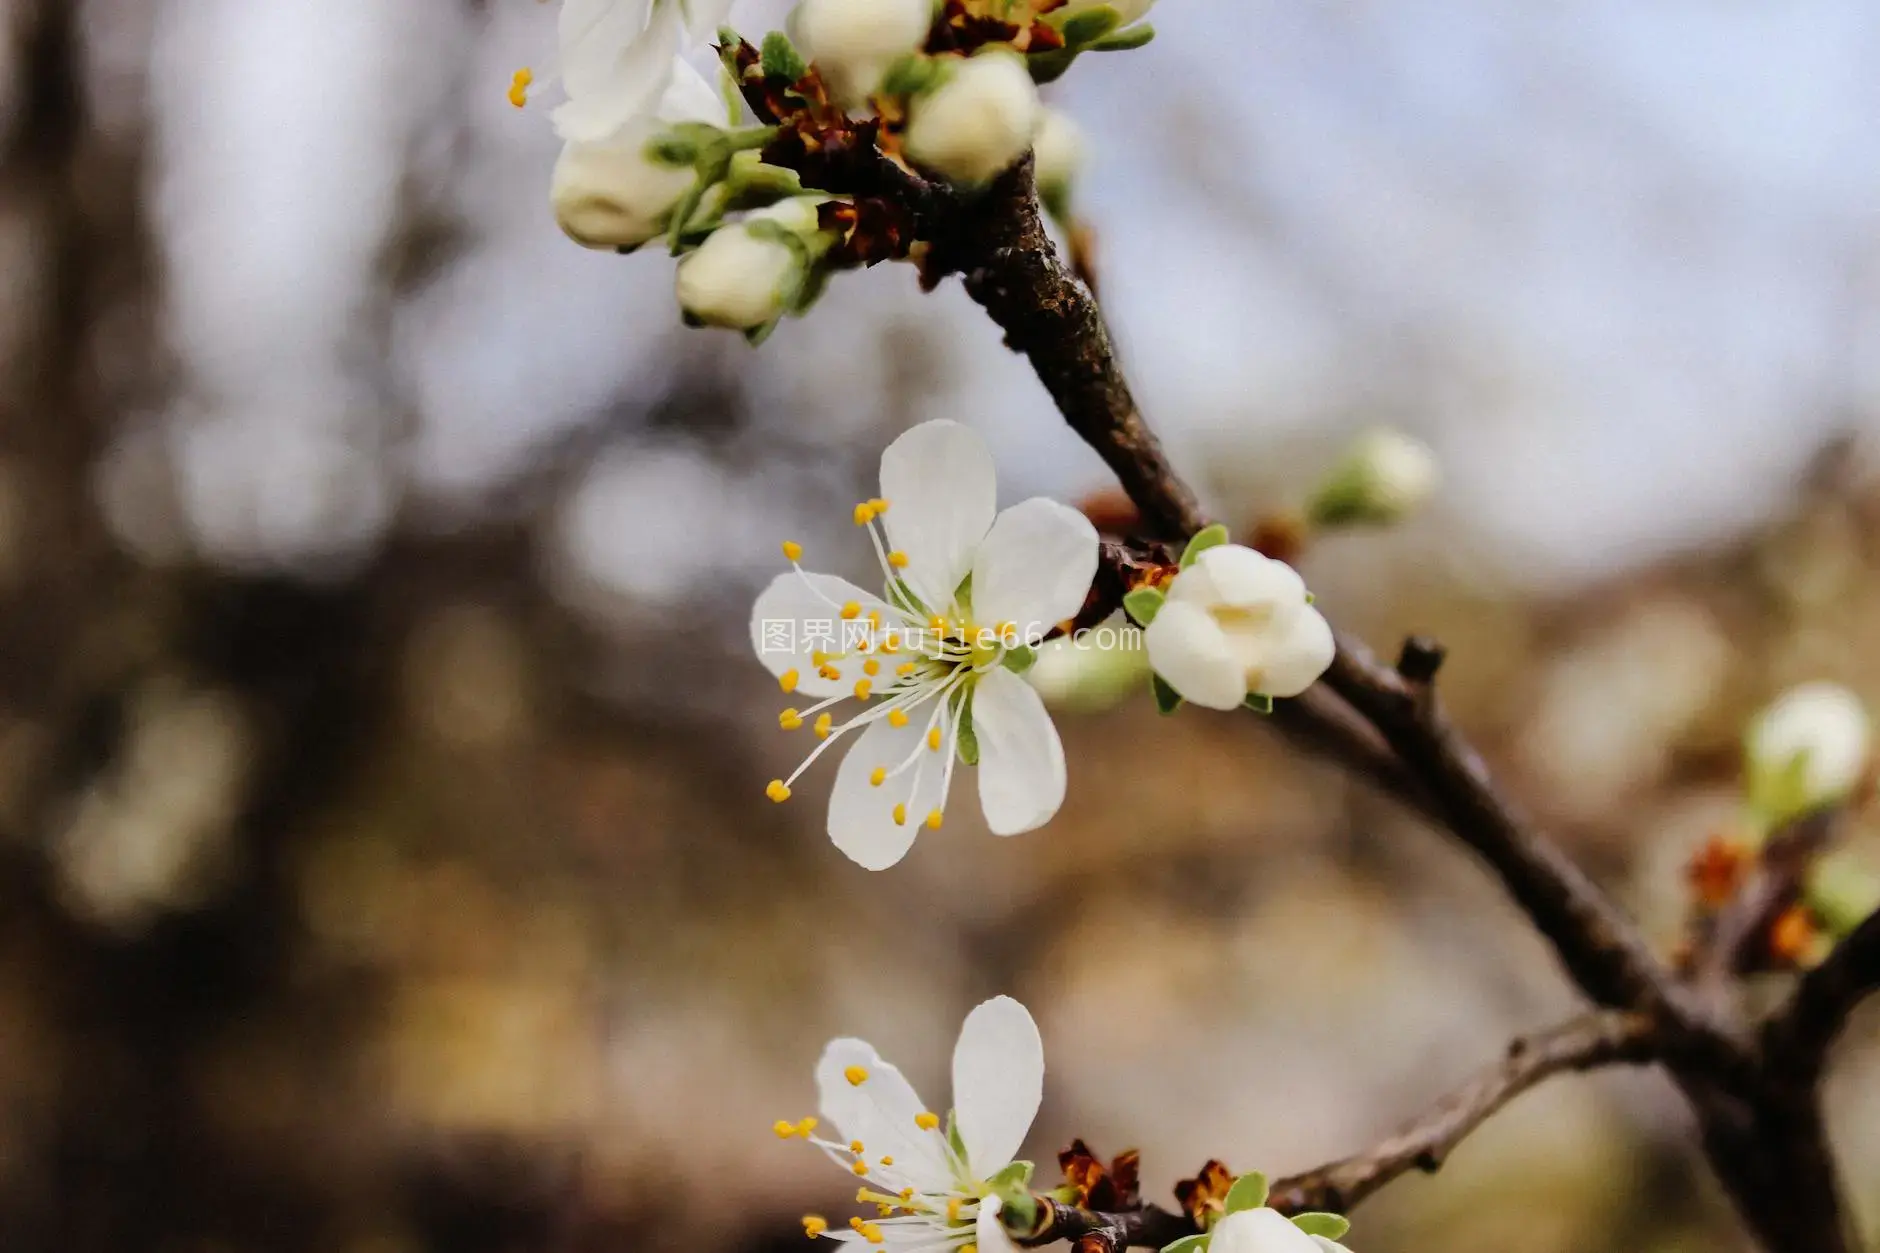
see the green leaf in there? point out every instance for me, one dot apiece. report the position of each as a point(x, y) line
point(1014, 1175)
point(1144, 603)
point(1260, 703)
point(781, 60)
point(1248, 1192)
point(1331, 1226)
point(1086, 26)
point(1123, 40)
point(969, 742)
point(1187, 1244)
point(1204, 539)
point(1167, 699)
point(1019, 658)
point(1048, 67)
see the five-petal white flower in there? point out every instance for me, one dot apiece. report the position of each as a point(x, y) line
point(617, 58)
point(1266, 1231)
point(929, 660)
point(1236, 623)
point(930, 1176)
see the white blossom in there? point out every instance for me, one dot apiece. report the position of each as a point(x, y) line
point(616, 193)
point(977, 121)
point(930, 661)
point(1809, 748)
point(742, 276)
point(1237, 623)
point(1058, 153)
point(853, 42)
point(1265, 1231)
point(932, 1174)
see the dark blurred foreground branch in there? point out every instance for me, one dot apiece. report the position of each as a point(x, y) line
point(1762, 1129)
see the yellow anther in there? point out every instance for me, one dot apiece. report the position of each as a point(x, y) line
point(937, 623)
point(862, 688)
point(871, 667)
point(879, 776)
point(814, 1225)
point(900, 815)
point(519, 84)
point(789, 719)
point(953, 1209)
point(864, 514)
point(830, 673)
point(805, 1126)
point(933, 738)
point(898, 559)
point(857, 1076)
point(883, 1210)
point(933, 820)
point(860, 1168)
point(897, 717)
point(969, 1248)
point(874, 618)
point(792, 551)
point(887, 1161)
point(777, 791)
point(907, 1194)
point(823, 723)
point(878, 505)
point(788, 680)
point(783, 1129)
point(906, 668)
point(891, 647)
point(851, 611)
point(819, 659)
point(926, 1122)
point(855, 1222)
point(872, 1234)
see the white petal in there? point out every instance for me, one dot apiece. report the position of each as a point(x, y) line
point(1329, 1246)
point(690, 98)
point(861, 815)
point(611, 85)
point(790, 621)
point(1191, 653)
point(1300, 656)
point(1247, 579)
point(1021, 759)
point(1259, 1231)
point(1034, 567)
point(998, 1082)
point(880, 1112)
point(941, 489)
point(989, 1232)
point(706, 17)
point(591, 35)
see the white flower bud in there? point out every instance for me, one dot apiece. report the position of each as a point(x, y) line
point(853, 42)
point(1808, 749)
point(1384, 477)
point(1237, 623)
point(615, 195)
point(1262, 1231)
point(1058, 151)
point(977, 122)
point(741, 276)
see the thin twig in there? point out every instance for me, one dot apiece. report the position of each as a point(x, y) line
point(1730, 945)
point(1797, 1040)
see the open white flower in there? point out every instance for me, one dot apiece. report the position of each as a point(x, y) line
point(930, 661)
point(1238, 623)
point(929, 1177)
point(1266, 1231)
point(616, 59)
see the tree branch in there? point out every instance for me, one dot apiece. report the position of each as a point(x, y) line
point(1797, 1040)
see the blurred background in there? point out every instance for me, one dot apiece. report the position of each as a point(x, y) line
point(384, 865)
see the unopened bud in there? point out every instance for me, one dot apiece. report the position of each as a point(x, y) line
point(744, 273)
point(1808, 749)
point(1384, 477)
point(977, 121)
point(1058, 151)
point(853, 42)
point(610, 196)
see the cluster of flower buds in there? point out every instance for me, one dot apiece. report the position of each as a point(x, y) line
point(947, 90)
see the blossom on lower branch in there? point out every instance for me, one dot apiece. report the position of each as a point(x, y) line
point(931, 1181)
point(933, 662)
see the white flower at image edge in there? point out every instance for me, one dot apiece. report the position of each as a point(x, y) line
point(937, 1192)
point(616, 59)
point(967, 589)
point(1266, 1231)
point(1237, 623)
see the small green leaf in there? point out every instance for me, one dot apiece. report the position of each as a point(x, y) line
point(910, 75)
point(1123, 40)
point(781, 60)
point(1014, 1175)
point(1248, 1192)
point(1167, 699)
point(1144, 603)
point(1206, 538)
point(1086, 26)
point(1048, 67)
point(1260, 703)
point(1019, 658)
point(969, 742)
point(1331, 1226)
point(1187, 1244)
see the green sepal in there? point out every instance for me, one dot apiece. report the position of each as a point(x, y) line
point(1187, 1244)
point(910, 75)
point(1249, 1192)
point(1129, 37)
point(1204, 539)
point(1019, 658)
point(781, 60)
point(673, 149)
point(969, 742)
point(756, 335)
point(1167, 699)
point(1331, 1226)
point(1014, 1175)
point(1260, 703)
point(1048, 67)
point(1144, 603)
point(1086, 26)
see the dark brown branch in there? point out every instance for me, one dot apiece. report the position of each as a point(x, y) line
point(1090, 1231)
point(1589, 1043)
point(1797, 1040)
